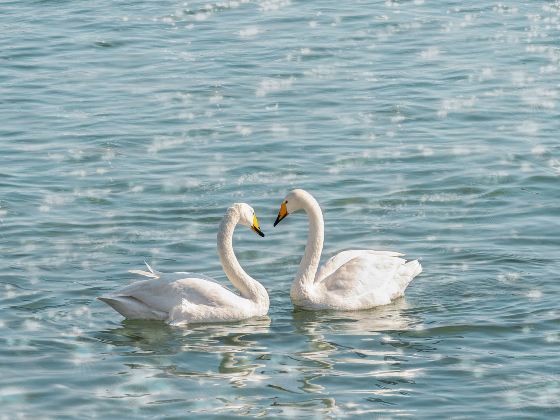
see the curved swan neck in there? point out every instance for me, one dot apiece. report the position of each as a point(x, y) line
point(248, 287)
point(310, 261)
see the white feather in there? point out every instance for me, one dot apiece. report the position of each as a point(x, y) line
point(350, 280)
point(183, 298)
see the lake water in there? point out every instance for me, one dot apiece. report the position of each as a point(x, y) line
point(430, 128)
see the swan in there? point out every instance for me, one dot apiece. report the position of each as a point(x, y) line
point(185, 298)
point(351, 280)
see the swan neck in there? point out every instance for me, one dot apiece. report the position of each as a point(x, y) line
point(248, 287)
point(310, 261)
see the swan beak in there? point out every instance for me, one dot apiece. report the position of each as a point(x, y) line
point(281, 214)
point(256, 227)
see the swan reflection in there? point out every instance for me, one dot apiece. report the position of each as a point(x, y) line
point(363, 347)
point(393, 317)
point(298, 362)
point(225, 351)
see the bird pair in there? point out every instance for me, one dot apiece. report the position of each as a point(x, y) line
point(351, 280)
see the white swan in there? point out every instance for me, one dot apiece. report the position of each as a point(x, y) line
point(180, 298)
point(351, 280)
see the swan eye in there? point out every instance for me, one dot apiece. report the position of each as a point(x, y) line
point(286, 202)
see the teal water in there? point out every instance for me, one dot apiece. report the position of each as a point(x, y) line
point(430, 128)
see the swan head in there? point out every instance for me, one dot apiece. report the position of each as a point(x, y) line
point(247, 217)
point(293, 202)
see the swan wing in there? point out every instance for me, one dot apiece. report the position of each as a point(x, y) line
point(361, 279)
point(335, 262)
point(158, 298)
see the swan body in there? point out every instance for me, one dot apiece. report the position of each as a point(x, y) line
point(351, 280)
point(184, 298)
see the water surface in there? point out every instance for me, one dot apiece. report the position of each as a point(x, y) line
point(429, 128)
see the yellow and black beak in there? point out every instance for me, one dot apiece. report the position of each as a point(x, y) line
point(256, 227)
point(281, 214)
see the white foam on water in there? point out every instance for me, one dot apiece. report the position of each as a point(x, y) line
point(456, 105)
point(243, 130)
point(554, 164)
point(10, 292)
point(486, 74)
point(539, 150)
point(108, 154)
point(199, 17)
point(505, 9)
point(249, 32)
point(430, 53)
point(57, 157)
point(54, 200)
point(279, 130)
point(174, 184)
point(398, 118)
point(82, 357)
point(520, 78)
point(79, 173)
point(11, 393)
point(136, 188)
point(31, 325)
point(266, 178)
point(76, 154)
point(186, 115)
point(74, 332)
point(440, 197)
point(95, 193)
point(539, 98)
point(320, 72)
point(509, 277)
point(534, 294)
point(425, 150)
point(165, 143)
point(273, 5)
point(526, 167)
point(461, 151)
point(528, 127)
point(270, 85)
point(495, 93)
point(216, 98)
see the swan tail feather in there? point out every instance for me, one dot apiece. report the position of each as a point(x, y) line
point(132, 308)
point(149, 268)
point(416, 266)
point(406, 274)
point(411, 270)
